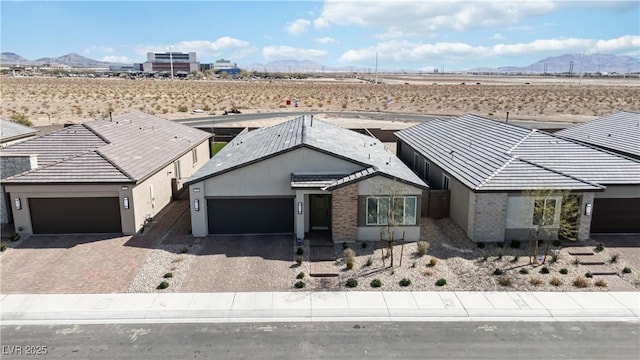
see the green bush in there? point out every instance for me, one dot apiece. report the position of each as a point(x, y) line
point(351, 283)
point(515, 259)
point(588, 274)
point(515, 244)
point(441, 282)
point(14, 237)
point(498, 272)
point(3, 246)
point(369, 261)
point(405, 282)
point(626, 270)
point(544, 270)
point(299, 251)
point(299, 260)
point(300, 284)
point(523, 271)
point(599, 247)
point(363, 245)
point(300, 275)
point(163, 285)
point(184, 250)
point(564, 271)
point(614, 258)
point(376, 283)
point(556, 243)
point(168, 275)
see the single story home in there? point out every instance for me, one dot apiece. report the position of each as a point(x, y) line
point(494, 171)
point(304, 175)
point(103, 176)
point(618, 132)
point(12, 132)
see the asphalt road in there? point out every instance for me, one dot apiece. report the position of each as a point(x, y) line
point(221, 119)
point(326, 340)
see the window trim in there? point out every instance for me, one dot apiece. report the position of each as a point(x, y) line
point(176, 169)
point(194, 156)
point(391, 200)
point(446, 182)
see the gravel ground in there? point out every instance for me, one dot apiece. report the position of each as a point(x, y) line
point(466, 267)
point(166, 259)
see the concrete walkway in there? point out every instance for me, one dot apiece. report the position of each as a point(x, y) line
point(18, 309)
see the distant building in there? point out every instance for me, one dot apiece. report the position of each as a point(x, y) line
point(183, 62)
point(222, 65)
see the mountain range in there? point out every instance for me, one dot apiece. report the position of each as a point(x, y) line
point(574, 63)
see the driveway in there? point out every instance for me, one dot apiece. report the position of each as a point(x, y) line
point(86, 263)
point(242, 263)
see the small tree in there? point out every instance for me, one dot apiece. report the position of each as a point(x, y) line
point(21, 119)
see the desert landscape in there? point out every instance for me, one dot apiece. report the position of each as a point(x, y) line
point(49, 100)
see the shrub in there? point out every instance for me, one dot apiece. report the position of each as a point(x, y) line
point(14, 237)
point(300, 275)
point(523, 271)
point(184, 250)
point(498, 272)
point(535, 281)
point(554, 258)
point(433, 262)
point(515, 244)
point(515, 259)
point(588, 274)
point(600, 283)
point(183, 108)
point(575, 262)
point(168, 275)
point(376, 283)
point(626, 270)
point(504, 281)
point(580, 283)
point(499, 257)
point(405, 282)
point(427, 273)
point(555, 281)
point(299, 260)
point(441, 282)
point(163, 285)
point(300, 284)
point(299, 251)
point(369, 261)
point(564, 271)
point(423, 247)
point(614, 258)
point(556, 243)
point(351, 283)
point(413, 265)
point(599, 247)
point(544, 270)
point(363, 245)
point(3, 246)
point(21, 119)
point(349, 257)
point(481, 245)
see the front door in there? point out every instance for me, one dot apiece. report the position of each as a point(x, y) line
point(320, 211)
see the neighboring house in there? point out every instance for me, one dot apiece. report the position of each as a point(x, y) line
point(11, 133)
point(103, 176)
point(489, 167)
point(618, 132)
point(304, 175)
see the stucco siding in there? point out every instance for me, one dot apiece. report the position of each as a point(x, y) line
point(459, 203)
point(374, 233)
point(620, 191)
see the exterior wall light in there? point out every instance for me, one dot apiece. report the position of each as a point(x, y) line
point(196, 189)
point(18, 204)
point(125, 202)
point(196, 205)
point(299, 208)
point(588, 208)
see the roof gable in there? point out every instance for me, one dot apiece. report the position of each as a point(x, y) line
point(10, 130)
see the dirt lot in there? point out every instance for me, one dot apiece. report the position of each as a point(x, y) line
point(58, 100)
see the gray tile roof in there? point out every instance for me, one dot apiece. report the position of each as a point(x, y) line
point(494, 156)
point(10, 130)
point(130, 148)
point(318, 181)
point(618, 132)
point(304, 131)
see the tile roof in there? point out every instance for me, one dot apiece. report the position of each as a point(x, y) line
point(129, 148)
point(300, 180)
point(10, 130)
point(619, 132)
point(494, 156)
point(305, 131)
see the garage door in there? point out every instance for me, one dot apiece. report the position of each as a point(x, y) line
point(250, 216)
point(75, 215)
point(616, 216)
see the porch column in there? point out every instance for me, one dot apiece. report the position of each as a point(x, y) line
point(298, 211)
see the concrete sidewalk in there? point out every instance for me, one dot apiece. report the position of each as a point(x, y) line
point(319, 306)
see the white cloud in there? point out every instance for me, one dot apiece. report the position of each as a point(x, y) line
point(288, 52)
point(321, 23)
point(203, 48)
point(93, 49)
point(326, 40)
point(117, 59)
point(497, 36)
point(430, 16)
point(298, 27)
point(411, 52)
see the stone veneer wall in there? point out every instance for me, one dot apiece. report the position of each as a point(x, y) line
point(488, 213)
point(344, 213)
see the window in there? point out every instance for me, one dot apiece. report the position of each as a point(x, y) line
point(544, 212)
point(425, 174)
point(445, 182)
point(415, 162)
point(176, 168)
point(194, 156)
point(402, 212)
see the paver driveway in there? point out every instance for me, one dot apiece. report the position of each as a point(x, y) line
point(241, 263)
point(84, 263)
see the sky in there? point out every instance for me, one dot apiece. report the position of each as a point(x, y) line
point(410, 35)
